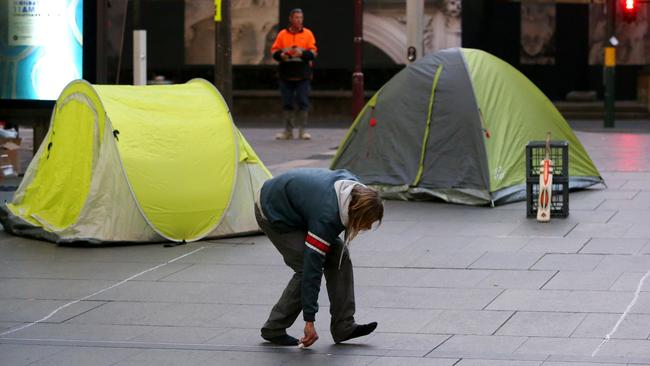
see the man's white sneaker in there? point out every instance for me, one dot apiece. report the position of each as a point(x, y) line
point(286, 135)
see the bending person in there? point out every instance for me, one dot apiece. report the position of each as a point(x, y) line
point(303, 212)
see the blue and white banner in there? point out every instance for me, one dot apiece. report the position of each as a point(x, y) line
point(41, 46)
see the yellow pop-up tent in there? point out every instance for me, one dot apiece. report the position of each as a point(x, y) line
point(138, 164)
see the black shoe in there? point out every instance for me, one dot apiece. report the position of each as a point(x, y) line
point(360, 331)
point(282, 340)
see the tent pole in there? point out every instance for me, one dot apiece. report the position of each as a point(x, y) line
point(357, 75)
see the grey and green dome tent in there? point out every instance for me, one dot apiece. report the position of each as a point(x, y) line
point(454, 126)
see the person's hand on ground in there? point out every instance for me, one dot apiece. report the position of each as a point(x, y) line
point(310, 335)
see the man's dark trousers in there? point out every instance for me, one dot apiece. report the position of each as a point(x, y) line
point(340, 284)
point(295, 91)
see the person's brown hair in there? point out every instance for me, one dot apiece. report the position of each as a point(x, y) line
point(365, 208)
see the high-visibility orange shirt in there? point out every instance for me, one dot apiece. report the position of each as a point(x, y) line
point(304, 39)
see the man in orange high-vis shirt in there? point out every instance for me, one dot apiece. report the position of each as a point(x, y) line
point(295, 48)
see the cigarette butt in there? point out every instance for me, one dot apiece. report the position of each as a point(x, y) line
point(301, 345)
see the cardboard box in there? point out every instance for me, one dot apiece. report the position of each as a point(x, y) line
point(9, 147)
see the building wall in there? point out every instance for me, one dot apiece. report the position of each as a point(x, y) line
point(491, 25)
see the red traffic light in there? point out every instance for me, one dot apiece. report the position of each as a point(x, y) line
point(629, 9)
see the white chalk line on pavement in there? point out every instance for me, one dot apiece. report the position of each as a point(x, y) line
point(620, 320)
point(97, 293)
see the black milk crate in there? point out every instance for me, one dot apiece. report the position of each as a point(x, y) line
point(559, 199)
point(535, 154)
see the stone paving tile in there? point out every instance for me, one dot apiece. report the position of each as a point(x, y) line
point(630, 184)
point(85, 332)
point(49, 289)
point(560, 300)
point(496, 244)
point(642, 305)
point(317, 359)
point(115, 271)
point(22, 355)
point(471, 362)
point(225, 358)
point(413, 361)
point(31, 310)
point(460, 228)
point(554, 363)
point(379, 241)
point(645, 249)
point(501, 260)
point(626, 348)
point(460, 278)
point(629, 281)
point(634, 204)
point(219, 273)
point(597, 216)
point(427, 298)
point(84, 356)
point(154, 313)
point(164, 357)
point(553, 245)
point(614, 246)
point(8, 325)
point(634, 326)
point(404, 344)
point(461, 259)
point(182, 334)
point(471, 344)
point(545, 346)
point(261, 253)
point(629, 263)
point(532, 228)
point(516, 279)
point(567, 280)
point(609, 230)
point(569, 262)
point(585, 201)
point(628, 216)
point(407, 277)
point(194, 293)
point(466, 322)
point(641, 231)
point(618, 183)
point(441, 243)
point(622, 194)
point(541, 324)
point(399, 259)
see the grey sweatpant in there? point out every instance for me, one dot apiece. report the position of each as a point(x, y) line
point(340, 284)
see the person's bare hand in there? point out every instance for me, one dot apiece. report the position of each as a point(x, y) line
point(285, 56)
point(310, 335)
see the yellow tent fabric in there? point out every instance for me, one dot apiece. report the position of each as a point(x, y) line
point(170, 154)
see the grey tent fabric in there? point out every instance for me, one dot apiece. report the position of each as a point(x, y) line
point(403, 113)
point(449, 163)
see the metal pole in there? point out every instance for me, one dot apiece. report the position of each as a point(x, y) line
point(223, 52)
point(414, 29)
point(610, 66)
point(357, 75)
point(139, 57)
